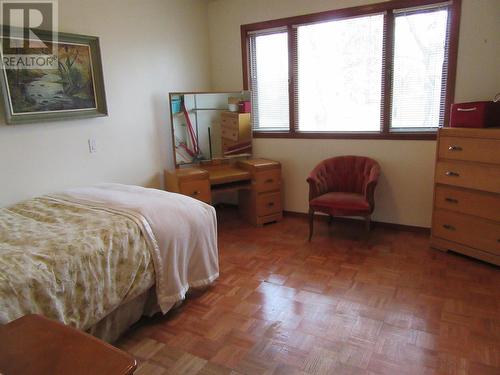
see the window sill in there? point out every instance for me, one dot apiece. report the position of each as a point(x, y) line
point(400, 135)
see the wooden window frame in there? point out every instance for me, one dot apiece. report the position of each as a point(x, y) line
point(387, 61)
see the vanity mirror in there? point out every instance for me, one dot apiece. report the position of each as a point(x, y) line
point(210, 125)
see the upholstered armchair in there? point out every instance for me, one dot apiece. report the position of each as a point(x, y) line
point(343, 186)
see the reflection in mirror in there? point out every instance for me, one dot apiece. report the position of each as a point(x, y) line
point(208, 126)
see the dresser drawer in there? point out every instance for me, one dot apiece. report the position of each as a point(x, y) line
point(227, 143)
point(229, 122)
point(468, 230)
point(268, 180)
point(268, 204)
point(475, 176)
point(229, 132)
point(199, 189)
point(470, 149)
point(478, 203)
point(230, 115)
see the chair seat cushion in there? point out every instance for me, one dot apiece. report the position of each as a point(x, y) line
point(341, 204)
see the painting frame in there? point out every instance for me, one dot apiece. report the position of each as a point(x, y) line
point(99, 95)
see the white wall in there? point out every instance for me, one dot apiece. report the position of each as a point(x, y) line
point(404, 194)
point(152, 47)
point(149, 48)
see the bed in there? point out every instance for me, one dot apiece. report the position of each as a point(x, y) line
point(98, 258)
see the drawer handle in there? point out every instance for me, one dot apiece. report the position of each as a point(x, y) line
point(455, 148)
point(448, 226)
point(269, 181)
point(467, 109)
point(270, 204)
point(452, 174)
point(451, 200)
point(195, 193)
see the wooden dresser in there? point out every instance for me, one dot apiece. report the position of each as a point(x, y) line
point(466, 216)
point(257, 181)
point(235, 129)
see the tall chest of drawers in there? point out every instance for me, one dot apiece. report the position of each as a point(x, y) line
point(466, 216)
point(235, 129)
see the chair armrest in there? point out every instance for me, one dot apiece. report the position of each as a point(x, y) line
point(317, 185)
point(370, 185)
point(314, 187)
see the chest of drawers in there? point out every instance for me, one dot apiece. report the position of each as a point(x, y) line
point(235, 129)
point(466, 216)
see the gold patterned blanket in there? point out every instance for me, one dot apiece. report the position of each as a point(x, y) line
point(69, 262)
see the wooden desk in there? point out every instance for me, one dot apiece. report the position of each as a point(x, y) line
point(257, 181)
point(34, 344)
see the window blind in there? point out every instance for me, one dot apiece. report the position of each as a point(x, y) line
point(420, 67)
point(268, 60)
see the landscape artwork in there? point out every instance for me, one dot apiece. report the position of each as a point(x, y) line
point(67, 84)
point(69, 87)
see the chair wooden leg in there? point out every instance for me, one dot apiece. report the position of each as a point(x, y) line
point(368, 223)
point(311, 223)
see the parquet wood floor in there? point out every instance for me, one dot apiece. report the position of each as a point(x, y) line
point(342, 304)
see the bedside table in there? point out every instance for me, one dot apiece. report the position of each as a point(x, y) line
point(34, 344)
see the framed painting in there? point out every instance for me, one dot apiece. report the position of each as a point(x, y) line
point(71, 86)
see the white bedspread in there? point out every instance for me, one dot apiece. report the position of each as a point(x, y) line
point(181, 232)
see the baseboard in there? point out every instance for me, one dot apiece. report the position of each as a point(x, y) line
point(376, 224)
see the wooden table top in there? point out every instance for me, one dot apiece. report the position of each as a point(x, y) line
point(34, 344)
point(227, 174)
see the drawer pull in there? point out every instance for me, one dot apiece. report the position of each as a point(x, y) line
point(448, 226)
point(451, 200)
point(452, 174)
point(270, 204)
point(455, 148)
point(269, 181)
point(467, 109)
point(195, 193)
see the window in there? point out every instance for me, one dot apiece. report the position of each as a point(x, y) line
point(379, 71)
point(418, 95)
point(339, 71)
point(269, 76)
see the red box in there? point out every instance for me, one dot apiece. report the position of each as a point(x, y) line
point(245, 106)
point(475, 115)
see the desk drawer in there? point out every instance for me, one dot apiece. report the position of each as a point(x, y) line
point(268, 180)
point(199, 189)
point(477, 203)
point(470, 149)
point(468, 230)
point(474, 176)
point(268, 204)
